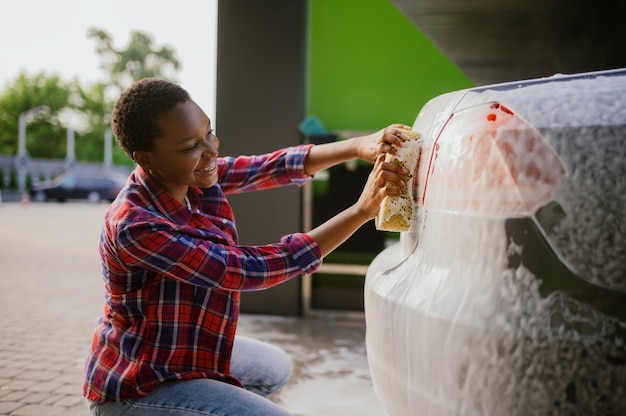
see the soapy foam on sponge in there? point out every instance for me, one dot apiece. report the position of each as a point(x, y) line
point(397, 212)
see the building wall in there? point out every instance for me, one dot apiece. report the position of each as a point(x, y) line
point(259, 104)
point(370, 66)
point(357, 65)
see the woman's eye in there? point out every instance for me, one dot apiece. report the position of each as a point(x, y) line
point(192, 147)
point(209, 133)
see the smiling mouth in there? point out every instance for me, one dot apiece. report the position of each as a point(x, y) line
point(208, 169)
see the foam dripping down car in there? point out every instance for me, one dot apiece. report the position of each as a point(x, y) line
point(506, 295)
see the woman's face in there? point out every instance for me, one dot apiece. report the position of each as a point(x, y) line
point(186, 153)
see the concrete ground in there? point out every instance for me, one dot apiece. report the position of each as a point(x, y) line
point(51, 296)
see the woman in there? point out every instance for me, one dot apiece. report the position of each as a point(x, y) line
point(173, 268)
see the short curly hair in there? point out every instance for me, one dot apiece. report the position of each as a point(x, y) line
point(134, 117)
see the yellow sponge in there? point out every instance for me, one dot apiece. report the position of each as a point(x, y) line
point(397, 212)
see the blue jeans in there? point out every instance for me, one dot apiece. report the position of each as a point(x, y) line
point(261, 368)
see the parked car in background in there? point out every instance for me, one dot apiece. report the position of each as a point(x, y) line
point(508, 294)
point(92, 186)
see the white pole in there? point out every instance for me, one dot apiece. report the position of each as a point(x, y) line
point(22, 156)
point(22, 159)
point(108, 150)
point(70, 154)
point(21, 142)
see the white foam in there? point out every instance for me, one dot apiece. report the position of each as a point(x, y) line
point(453, 327)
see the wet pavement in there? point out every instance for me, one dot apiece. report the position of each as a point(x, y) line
point(51, 296)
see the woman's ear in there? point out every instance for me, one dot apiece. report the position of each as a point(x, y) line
point(142, 159)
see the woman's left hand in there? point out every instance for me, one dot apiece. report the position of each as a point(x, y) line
point(383, 141)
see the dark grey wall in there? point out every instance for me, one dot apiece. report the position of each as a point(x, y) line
point(507, 40)
point(259, 104)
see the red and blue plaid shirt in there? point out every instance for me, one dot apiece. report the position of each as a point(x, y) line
point(173, 277)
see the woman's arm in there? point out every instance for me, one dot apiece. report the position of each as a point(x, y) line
point(367, 148)
point(384, 179)
point(249, 173)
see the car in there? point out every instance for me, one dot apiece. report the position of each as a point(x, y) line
point(92, 186)
point(507, 296)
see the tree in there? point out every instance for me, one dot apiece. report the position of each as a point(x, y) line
point(46, 134)
point(140, 59)
point(96, 112)
point(87, 109)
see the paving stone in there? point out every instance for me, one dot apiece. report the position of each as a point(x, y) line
point(38, 410)
point(34, 398)
point(44, 387)
point(69, 389)
point(8, 407)
point(14, 396)
point(18, 385)
point(59, 367)
point(9, 372)
point(37, 365)
point(16, 364)
point(35, 375)
point(68, 401)
point(5, 393)
point(53, 398)
point(70, 378)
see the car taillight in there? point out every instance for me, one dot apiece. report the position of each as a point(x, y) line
point(488, 161)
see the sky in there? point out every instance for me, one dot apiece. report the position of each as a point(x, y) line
point(51, 36)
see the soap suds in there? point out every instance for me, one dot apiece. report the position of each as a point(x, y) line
point(455, 328)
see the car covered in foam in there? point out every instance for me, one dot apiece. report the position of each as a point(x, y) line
point(508, 294)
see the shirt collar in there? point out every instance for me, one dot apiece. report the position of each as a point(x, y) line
point(164, 202)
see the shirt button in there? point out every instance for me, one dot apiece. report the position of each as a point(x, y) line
point(224, 221)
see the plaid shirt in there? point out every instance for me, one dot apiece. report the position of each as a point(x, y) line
point(173, 277)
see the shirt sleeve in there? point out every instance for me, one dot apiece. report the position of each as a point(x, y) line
point(167, 249)
point(250, 173)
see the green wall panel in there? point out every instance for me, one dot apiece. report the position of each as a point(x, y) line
point(370, 66)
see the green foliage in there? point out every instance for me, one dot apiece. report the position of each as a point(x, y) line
point(85, 108)
point(96, 115)
point(140, 59)
point(13, 181)
point(46, 136)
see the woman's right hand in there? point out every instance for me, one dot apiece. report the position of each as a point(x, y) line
point(384, 179)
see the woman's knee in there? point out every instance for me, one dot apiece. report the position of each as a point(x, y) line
point(261, 367)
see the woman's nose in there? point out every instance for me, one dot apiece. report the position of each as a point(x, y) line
point(212, 145)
